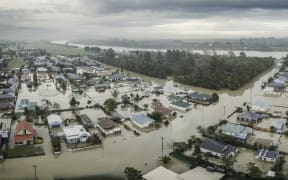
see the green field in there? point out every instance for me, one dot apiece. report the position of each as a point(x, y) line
point(57, 49)
point(16, 62)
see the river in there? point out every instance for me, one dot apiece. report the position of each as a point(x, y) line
point(275, 54)
point(142, 151)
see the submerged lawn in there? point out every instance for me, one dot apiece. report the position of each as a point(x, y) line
point(25, 151)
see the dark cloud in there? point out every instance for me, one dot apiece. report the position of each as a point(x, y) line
point(143, 18)
point(116, 6)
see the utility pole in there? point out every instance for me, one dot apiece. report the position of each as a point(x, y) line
point(224, 112)
point(35, 174)
point(162, 138)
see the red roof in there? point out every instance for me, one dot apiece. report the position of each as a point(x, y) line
point(24, 125)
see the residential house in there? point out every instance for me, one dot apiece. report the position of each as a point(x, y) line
point(54, 121)
point(24, 133)
point(86, 121)
point(236, 130)
point(102, 86)
point(76, 134)
point(250, 116)
point(108, 127)
point(278, 125)
point(267, 155)
point(217, 148)
point(259, 106)
point(4, 106)
point(181, 105)
point(278, 87)
point(28, 104)
point(141, 120)
point(164, 111)
point(199, 97)
point(8, 97)
point(161, 173)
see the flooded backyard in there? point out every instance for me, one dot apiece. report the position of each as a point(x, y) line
point(141, 152)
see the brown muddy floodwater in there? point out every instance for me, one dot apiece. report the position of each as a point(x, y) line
point(142, 151)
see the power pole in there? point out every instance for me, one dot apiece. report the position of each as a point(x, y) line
point(162, 138)
point(35, 173)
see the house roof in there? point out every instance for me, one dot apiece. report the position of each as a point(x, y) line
point(277, 84)
point(217, 147)
point(24, 125)
point(212, 145)
point(236, 128)
point(7, 96)
point(161, 173)
point(107, 124)
point(5, 105)
point(163, 110)
point(181, 104)
point(278, 124)
point(75, 131)
point(54, 118)
point(86, 120)
point(141, 118)
point(199, 96)
point(267, 153)
point(250, 115)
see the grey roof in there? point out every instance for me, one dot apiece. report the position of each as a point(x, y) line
point(141, 118)
point(277, 84)
point(213, 145)
point(251, 116)
point(267, 153)
point(6, 105)
point(218, 147)
point(199, 96)
point(7, 96)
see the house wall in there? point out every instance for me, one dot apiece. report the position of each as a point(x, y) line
point(203, 150)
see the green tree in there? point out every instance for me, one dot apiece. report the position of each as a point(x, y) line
point(73, 101)
point(110, 104)
point(254, 171)
point(156, 116)
point(133, 174)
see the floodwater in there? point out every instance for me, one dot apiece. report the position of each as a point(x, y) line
point(141, 152)
point(275, 54)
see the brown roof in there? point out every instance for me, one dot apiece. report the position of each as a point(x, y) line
point(162, 110)
point(24, 125)
point(107, 124)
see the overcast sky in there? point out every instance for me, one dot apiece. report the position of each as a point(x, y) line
point(141, 19)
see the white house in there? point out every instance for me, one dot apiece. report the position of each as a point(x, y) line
point(76, 134)
point(54, 121)
point(259, 106)
point(108, 127)
point(267, 155)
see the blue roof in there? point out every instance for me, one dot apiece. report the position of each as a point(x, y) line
point(141, 118)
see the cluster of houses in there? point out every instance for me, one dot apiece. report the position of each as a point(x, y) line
point(277, 85)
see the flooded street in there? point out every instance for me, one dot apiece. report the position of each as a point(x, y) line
point(141, 152)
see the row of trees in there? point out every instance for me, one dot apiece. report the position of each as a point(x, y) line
point(214, 72)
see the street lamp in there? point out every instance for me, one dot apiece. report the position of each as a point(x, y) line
point(35, 174)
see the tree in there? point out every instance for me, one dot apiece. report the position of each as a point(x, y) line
point(156, 116)
point(110, 104)
point(137, 98)
point(132, 173)
point(254, 171)
point(73, 101)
